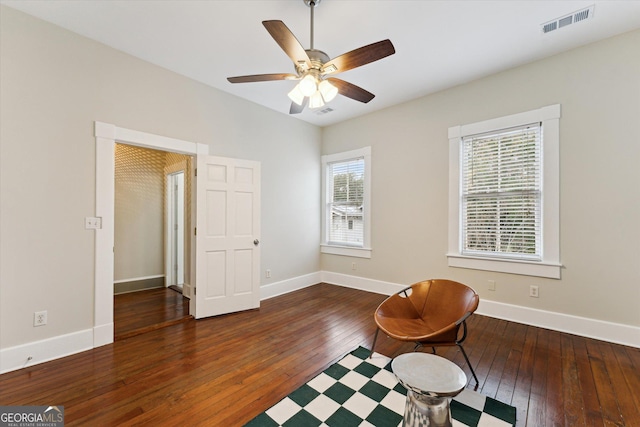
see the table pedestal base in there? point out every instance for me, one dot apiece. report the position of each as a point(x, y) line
point(426, 411)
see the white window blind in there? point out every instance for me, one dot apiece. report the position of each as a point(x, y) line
point(501, 193)
point(345, 209)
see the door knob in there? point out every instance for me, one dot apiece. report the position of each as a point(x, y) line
point(256, 242)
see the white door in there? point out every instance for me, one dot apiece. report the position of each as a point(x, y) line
point(227, 236)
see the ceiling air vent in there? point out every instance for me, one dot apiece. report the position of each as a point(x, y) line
point(324, 111)
point(567, 20)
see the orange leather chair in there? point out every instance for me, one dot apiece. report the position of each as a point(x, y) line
point(428, 313)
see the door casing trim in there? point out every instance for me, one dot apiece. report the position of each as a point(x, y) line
point(106, 136)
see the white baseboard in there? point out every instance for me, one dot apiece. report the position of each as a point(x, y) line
point(591, 328)
point(103, 334)
point(362, 283)
point(285, 286)
point(137, 279)
point(14, 358)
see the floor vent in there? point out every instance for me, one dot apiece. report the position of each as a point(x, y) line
point(567, 20)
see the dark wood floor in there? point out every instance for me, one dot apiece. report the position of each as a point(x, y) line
point(139, 312)
point(225, 370)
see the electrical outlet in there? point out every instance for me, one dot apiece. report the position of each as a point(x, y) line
point(267, 274)
point(40, 318)
point(353, 265)
point(492, 285)
point(533, 291)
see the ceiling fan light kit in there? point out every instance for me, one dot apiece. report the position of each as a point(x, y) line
point(318, 91)
point(313, 68)
point(308, 85)
point(315, 100)
point(296, 95)
point(327, 90)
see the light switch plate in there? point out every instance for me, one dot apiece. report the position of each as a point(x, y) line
point(92, 223)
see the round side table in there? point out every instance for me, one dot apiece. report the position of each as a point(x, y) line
point(431, 381)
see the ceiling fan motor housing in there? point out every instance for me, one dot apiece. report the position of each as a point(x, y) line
point(317, 58)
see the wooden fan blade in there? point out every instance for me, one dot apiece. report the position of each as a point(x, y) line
point(351, 91)
point(262, 78)
point(359, 57)
point(288, 42)
point(297, 109)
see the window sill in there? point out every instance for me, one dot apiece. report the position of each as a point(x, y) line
point(346, 251)
point(526, 268)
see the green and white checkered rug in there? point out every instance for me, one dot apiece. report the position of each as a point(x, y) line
point(357, 391)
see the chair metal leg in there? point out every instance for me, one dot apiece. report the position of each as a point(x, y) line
point(464, 353)
point(418, 345)
point(375, 338)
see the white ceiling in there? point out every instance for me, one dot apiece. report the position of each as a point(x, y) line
point(439, 44)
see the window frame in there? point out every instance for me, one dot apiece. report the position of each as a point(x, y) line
point(549, 265)
point(331, 247)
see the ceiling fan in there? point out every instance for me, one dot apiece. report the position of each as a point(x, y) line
point(314, 68)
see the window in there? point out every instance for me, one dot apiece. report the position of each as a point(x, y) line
point(500, 204)
point(503, 195)
point(346, 217)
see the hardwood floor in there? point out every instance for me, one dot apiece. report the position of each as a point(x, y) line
point(139, 312)
point(225, 370)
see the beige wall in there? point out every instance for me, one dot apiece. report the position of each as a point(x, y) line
point(598, 87)
point(139, 213)
point(53, 85)
point(140, 210)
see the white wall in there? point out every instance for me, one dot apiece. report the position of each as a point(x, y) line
point(598, 87)
point(53, 85)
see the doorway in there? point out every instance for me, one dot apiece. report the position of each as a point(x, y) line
point(149, 243)
point(243, 283)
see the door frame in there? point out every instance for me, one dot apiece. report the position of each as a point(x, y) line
point(106, 136)
point(171, 236)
